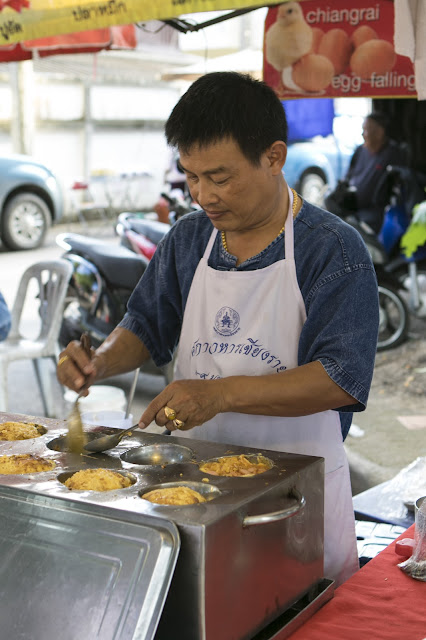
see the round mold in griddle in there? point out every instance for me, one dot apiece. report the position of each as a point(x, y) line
point(207, 490)
point(40, 428)
point(60, 444)
point(252, 457)
point(65, 475)
point(158, 454)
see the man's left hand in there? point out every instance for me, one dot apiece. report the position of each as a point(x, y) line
point(187, 403)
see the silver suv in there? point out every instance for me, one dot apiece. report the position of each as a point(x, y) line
point(30, 202)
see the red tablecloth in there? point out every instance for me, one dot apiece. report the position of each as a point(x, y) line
point(379, 602)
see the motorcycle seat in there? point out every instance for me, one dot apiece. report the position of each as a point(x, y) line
point(120, 266)
point(151, 229)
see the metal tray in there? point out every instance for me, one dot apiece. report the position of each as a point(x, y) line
point(69, 570)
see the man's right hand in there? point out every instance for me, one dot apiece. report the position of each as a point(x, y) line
point(120, 352)
point(75, 368)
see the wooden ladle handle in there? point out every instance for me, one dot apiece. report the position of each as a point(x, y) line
point(86, 343)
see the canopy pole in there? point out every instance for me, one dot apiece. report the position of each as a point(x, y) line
point(183, 26)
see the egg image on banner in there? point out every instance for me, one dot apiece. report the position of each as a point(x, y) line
point(317, 35)
point(338, 48)
point(289, 38)
point(312, 73)
point(374, 57)
point(362, 34)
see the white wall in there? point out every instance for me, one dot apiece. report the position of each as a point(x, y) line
point(113, 152)
point(125, 135)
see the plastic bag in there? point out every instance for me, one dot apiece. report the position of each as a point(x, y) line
point(415, 566)
point(408, 485)
point(415, 235)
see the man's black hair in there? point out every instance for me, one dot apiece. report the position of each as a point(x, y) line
point(228, 105)
point(381, 119)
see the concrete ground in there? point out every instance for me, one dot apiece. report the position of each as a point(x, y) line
point(378, 447)
point(394, 423)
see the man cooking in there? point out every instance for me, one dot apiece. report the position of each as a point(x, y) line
point(273, 303)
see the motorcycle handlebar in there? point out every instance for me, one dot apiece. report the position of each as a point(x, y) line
point(168, 198)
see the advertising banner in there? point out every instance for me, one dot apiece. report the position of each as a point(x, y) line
point(27, 19)
point(340, 48)
point(116, 37)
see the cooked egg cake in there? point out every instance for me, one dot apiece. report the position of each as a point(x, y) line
point(18, 431)
point(236, 466)
point(25, 463)
point(97, 480)
point(174, 496)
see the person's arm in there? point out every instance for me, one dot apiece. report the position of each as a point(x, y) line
point(121, 352)
point(152, 323)
point(296, 392)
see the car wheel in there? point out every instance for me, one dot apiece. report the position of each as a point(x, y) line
point(312, 188)
point(25, 221)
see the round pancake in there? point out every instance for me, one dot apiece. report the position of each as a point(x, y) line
point(97, 480)
point(236, 466)
point(18, 431)
point(174, 496)
point(25, 463)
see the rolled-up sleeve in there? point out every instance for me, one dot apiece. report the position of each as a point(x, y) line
point(341, 329)
point(154, 311)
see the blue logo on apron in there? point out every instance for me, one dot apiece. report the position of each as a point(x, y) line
point(227, 322)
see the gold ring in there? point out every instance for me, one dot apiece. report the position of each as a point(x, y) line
point(62, 360)
point(170, 413)
point(178, 423)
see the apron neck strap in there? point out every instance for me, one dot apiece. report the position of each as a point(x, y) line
point(288, 228)
point(210, 244)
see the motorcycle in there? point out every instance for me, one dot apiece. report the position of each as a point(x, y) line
point(408, 190)
point(102, 280)
point(141, 234)
point(399, 280)
point(393, 310)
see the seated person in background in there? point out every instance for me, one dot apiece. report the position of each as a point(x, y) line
point(355, 195)
point(5, 319)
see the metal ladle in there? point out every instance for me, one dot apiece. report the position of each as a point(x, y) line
point(108, 442)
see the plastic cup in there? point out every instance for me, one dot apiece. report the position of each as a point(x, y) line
point(107, 419)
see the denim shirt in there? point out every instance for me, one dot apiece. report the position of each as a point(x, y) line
point(335, 275)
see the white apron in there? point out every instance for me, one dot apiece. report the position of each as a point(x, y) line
point(249, 323)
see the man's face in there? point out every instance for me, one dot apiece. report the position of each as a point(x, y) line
point(235, 194)
point(374, 135)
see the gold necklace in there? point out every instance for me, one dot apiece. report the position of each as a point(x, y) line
point(295, 203)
